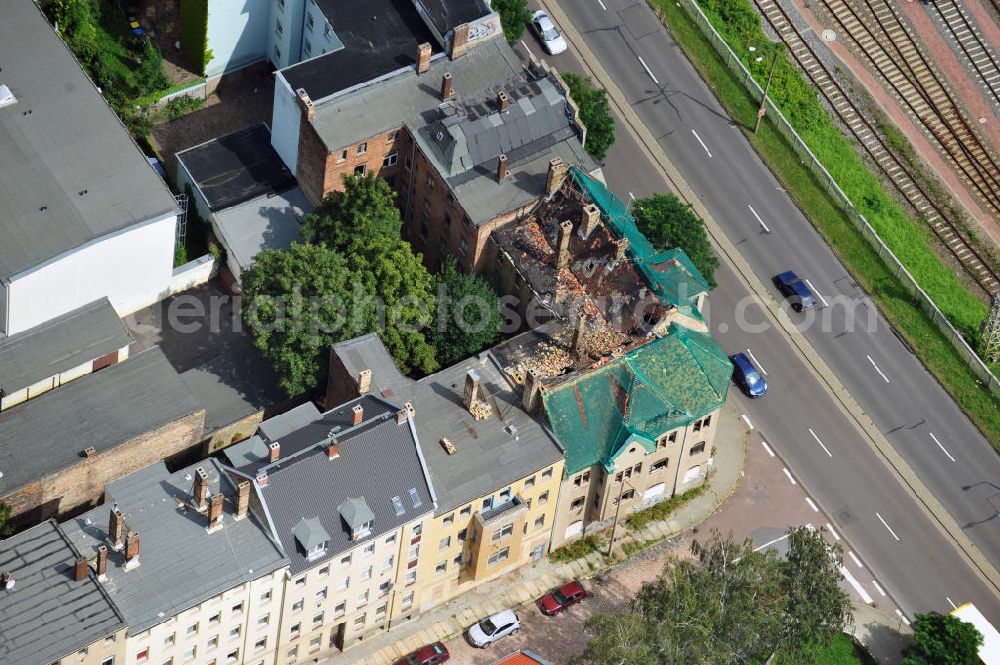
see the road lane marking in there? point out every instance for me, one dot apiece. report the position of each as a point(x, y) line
point(759, 220)
point(878, 588)
point(825, 449)
point(767, 447)
point(877, 369)
point(818, 294)
point(787, 473)
point(768, 544)
point(854, 557)
point(702, 143)
point(886, 525)
point(747, 421)
point(812, 504)
point(903, 618)
point(756, 362)
point(857, 586)
point(648, 70)
point(950, 603)
point(631, 196)
point(530, 54)
point(602, 5)
point(829, 527)
point(945, 450)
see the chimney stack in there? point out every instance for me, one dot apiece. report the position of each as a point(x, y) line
point(501, 168)
point(5, 581)
point(460, 41)
point(562, 250)
point(215, 512)
point(471, 388)
point(532, 389)
point(423, 57)
point(262, 478)
point(410, 410)
point(578, 334)
point(80, 570)
point(242, 499)
point(200, 489)
point(556, 175)
point(446, 85)
point(102, 561)
point(132, 549)
point(589, 219)
point(90, 452)
point(273, 452)
point(364, 381)
point(503, 101)
point(333, 450)
point(357, 414)
point(116, 529)
point(621, 248)
point(306, 104)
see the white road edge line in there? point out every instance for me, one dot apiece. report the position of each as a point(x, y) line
point(878, 588)
point(648, 70)
point(747, 421)
point(945, 450)
point(756, 362)
point(768, 544)
point(829, 527)
point(854, 557)
point(702, 143)
point(877, 369)
point(602, 5)
point(857, 586)
point(950, 603)
point(818, 294)
point(789, 474)
point(903, 618)
point(767, 447)
point(812, 504)
point(886, 525)
point(761, 221)
point(825, 449)
point(532, 55)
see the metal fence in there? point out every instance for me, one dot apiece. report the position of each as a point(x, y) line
point(924, 302)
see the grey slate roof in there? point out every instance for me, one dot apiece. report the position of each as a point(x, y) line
point(378, 460)
point(58, 140)
point(103, 410)
point(491, 454)
point(278, 426)
point(368, 352)
point(181, 564)
point(447, 15)
point(355, 512)
point(61, 344)
point(310, 533)
point(266, 222)
point(48, 615)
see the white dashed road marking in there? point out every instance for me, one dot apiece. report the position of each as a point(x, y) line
point(886, 525)
point(788, 473)
point(825, 449)
point(701, 142)
point(767, 447)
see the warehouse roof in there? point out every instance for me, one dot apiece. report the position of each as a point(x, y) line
point(181, 563)
point(60, 344)
point(103, 410)
point(70, 173)
point(446, 15)
point(47, 615)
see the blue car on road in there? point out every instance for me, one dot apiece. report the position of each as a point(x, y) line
point(746, 376)
point(797, 291)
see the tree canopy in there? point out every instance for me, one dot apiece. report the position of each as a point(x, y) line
point(942, 639)
point(467, 314)
point(594, 114)
point(363, 213)
point(667, 222)
point(514, 15)
point(731, 606)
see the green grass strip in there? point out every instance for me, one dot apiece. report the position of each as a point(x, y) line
point(867, 268)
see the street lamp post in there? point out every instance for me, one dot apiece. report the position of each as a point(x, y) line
point(618, 510)
point(767, 86)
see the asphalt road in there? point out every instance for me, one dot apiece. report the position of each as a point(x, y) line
point(922, 568)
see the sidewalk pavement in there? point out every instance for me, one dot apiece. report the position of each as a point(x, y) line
point(526, 584)
point(885, 636)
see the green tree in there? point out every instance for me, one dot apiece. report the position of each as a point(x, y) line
point(942, 639)
point(5, 527)
point(302, 299)
point(667, 222)
point(467, 314)
point(149, 75)
point(364, 212)
point(514, 15)
point(594, 114)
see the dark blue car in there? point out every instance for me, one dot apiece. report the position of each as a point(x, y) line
point(746, 376)
point(795, 290)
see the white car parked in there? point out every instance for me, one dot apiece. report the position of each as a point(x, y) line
point(493, 627)
point(548, 33)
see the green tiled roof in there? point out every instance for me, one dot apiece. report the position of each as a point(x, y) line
point(671, 274)
point(651, 390)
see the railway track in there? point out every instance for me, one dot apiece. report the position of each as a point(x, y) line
point(869, 139)
point(893, 52)
point(977, 51)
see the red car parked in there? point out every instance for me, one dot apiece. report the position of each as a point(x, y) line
point(566, 595)
point(427, 655)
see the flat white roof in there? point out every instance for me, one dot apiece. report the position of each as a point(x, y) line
point(989, 652)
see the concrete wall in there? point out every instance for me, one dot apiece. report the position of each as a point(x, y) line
point(192, 273)
point(285, 119)
point(131, 267)
point(48, 383)
point(84, 482)
point(234, 432)
point(236, 34)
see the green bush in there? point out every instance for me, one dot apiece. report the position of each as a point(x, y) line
point(594, 113)
point(194, 33)
point(639, 520)
point(514, 15)
point(575, 550)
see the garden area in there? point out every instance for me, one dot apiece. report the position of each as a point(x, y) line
point(739, 24)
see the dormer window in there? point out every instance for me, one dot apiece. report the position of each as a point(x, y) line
point(358, 517)
point(312, 538)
